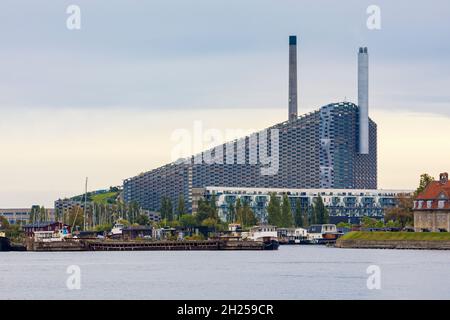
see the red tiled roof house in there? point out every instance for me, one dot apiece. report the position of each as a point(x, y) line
point(432, 207)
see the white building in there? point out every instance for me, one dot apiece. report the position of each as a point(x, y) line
point(342, 204)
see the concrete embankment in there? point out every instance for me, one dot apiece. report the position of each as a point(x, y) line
point(102, 245)
point(394, 244)
point(395, 240)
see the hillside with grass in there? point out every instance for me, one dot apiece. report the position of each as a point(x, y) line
point(397, 236)
point(100, 196)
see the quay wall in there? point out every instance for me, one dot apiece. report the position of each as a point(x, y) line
point(393, 244)
point(102, 245)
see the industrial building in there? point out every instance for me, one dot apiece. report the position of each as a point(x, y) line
point(334, 147)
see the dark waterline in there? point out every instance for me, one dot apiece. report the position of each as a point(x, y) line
point(293, 272)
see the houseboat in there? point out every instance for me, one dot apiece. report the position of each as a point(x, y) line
point(116, 231)
point(264, 233)
point(322, 234)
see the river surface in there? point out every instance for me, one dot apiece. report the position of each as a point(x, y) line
point(292, 272)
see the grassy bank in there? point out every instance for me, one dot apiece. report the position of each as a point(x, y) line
point(407, 236)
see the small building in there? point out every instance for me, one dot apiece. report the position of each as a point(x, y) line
point(53, 226)
point(432, 207)
point(137, 232)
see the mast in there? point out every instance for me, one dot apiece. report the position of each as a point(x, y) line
point(85, 204)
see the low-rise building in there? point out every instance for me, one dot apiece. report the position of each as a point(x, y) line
point(432, 207)
point(346, 205)
point(63, 207)
point(23, 215)
point(136, 232)
point(30, 229)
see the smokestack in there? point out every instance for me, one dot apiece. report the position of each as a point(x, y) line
point(292, 78)
point(363, 100)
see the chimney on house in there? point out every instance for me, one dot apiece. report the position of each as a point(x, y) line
point(443, 178)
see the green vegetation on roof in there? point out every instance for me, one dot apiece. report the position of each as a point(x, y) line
point(380, 236)
point(105, 198)
point(100, 197)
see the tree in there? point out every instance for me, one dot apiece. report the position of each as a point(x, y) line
point(231, 214)
point(42, 214)
point(237, 210)
point(188, 221)
point(402, 213)
point(312, 218)
point(425, 180)
point(124, 222)
point(169, 209)
point(75, 217)
point(180, 207)
point(274, 210)
point(298, 216)
point(34, 214)
point(286, 213)
point(142, 219)
point(343, 224)
point(166, 209)
point(209, 222)
point(367, 222)
point(320, 212)
point(4, 223)
point(203, 211)
point(246, 217)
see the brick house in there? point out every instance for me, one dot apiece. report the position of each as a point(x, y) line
point(432, 207)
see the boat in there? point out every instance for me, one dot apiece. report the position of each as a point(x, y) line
point(266, 234)
point(322, 234)
point(52, 236)
point(117, 229)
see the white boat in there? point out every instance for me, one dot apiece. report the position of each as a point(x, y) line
point(117, 229)
point(321, 233)
point(51, 236)
point(264, 233)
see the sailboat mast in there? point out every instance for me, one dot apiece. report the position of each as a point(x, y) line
point(85, 204)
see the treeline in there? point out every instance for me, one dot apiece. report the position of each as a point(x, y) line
point(206, 215)
point(101, 216)
point(280, 212)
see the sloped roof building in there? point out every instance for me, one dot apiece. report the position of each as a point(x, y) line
point(432, 206)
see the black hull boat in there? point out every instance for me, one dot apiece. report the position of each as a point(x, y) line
point(271, 245)
point(5, 245)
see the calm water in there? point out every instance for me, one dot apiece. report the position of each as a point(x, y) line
point(292, 272)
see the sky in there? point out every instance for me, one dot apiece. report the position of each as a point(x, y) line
point(103, 101)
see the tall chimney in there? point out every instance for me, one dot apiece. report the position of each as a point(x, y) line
point(363, 100)
point(292, 78)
